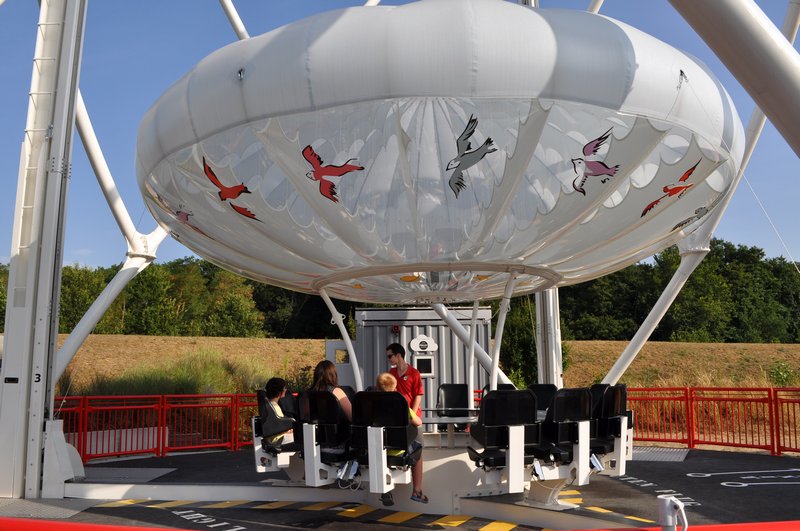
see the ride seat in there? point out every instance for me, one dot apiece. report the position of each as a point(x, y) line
point(614, 406)
point(499, 410)
point(451, 396)
point(387, 410)
point(332, 428)
point(602, 411)
point(560, 427)
point(269, 424)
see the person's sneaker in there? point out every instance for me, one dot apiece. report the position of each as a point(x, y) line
point(387, 499)
point(419, 497)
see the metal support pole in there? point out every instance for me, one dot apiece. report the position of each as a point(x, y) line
point(337, 318)
point(501, 323)
point(132, 267)
point(483, 358)
point(697, 244)
point(37, 243)
point(752, 48)
point(689, 262)
point(701, 238)
point(548, 338)
point(234, 19)
point(473, 335)
point(595, 6)
point(103, 174)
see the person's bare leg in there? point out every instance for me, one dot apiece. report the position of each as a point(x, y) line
point(416, 476)
point(416, 481)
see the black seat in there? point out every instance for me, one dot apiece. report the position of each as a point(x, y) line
point(499, 410)
point(270, 424)
point(560, 427)
point(450, 397)
point(608, 415)
point(601, 442)
point(388, 410)
point(332, 427)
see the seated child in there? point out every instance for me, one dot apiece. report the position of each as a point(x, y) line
point(387, 382)
point(276, 389)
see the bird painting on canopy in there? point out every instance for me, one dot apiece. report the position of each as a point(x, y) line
point(467, 157)
point(592, 168)
point(320, 171)
point(673, 189)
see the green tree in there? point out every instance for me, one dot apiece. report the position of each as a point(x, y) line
point(518, 347)
point(279, 306)
point(702, 310)
point(113, 321)
point(190, 280)
point(610, 307)
point(80, 286)
point(232, 312)
point(150, 308)
point(786, 291)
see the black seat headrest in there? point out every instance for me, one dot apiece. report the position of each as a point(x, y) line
point(379, 408)
point(450, 396)
point(544, 394)
point(261, 399)
point(571, 405)
point(508, 408)
point(324, 408)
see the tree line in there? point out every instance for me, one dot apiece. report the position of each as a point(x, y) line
point(735, 295)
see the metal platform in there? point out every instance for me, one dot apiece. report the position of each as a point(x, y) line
point(717, 488)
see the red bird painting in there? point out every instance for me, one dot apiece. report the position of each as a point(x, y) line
point(321, 170)
point(245, 212)
point(672, 190)
point(225, 192)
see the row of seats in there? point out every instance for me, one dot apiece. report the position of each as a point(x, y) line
point(553, 439)
point(338, 439)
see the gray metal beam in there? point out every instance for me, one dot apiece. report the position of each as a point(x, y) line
point(756, 53)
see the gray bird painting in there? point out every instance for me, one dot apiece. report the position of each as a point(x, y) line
point(467, 157)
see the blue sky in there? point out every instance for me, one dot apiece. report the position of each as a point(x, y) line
point(133, 51)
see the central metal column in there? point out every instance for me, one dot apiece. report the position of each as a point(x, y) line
point(36, 253)
point(548, 338)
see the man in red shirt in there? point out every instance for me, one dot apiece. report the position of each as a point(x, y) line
point(409, 384)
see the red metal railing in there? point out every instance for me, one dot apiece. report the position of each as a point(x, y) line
point(787, 414)
point(194, 422)
point(766, 419)
point(661, 415)
point(105, 426)
point(733, 417)
point(246, 408)
point(119, 425)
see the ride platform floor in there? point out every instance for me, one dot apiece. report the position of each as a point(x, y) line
point(716, 487)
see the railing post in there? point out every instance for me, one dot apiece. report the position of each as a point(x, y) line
point(83, 427)
point(162, 427)
point(689, 395)
point(234, 431)
point(774, 422)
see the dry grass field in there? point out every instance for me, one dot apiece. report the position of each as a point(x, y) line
point(659, 364)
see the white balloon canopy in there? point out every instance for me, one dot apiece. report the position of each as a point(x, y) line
point(420, 153)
